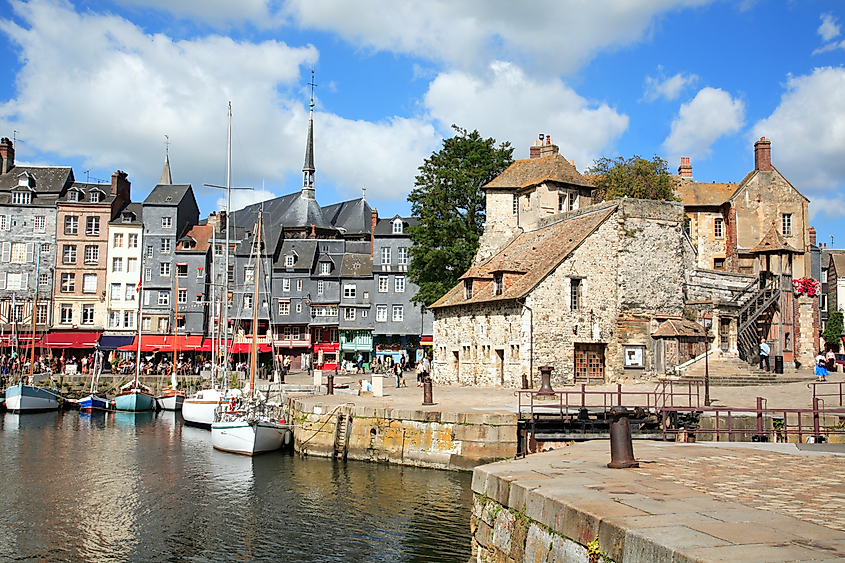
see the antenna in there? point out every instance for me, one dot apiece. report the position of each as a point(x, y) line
point(831, 240)
point(88, 178)
point(15, 139)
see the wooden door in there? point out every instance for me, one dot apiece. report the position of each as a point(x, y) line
point(589, 363)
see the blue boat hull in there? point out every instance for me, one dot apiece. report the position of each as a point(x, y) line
point(134, 401)
point(30, 398)
point(92, 403)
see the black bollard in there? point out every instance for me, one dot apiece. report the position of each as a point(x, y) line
point(525, 381)
point(330, 384)
point(427, 398)
point(546, 385)
point(621, 444)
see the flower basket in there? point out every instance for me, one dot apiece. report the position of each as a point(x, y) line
point(806, 286)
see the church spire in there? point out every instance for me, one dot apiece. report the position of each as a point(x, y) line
point(166, 178)
point(308, 169)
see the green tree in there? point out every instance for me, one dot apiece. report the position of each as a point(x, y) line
point(833, 330)
point(633, 177)
point(449, 202)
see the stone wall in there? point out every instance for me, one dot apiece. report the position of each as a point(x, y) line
point(707, 285)
point(807, 330)
point(424, 438)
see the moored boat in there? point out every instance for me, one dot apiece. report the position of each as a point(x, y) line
point(170, 399)
point(22, 398)
point(199, 409)
point(134, 397)
point(93, 403)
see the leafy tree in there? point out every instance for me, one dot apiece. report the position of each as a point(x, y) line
point(833, 330)
point(633, 177)
point(449, 202)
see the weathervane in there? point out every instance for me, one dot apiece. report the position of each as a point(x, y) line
point(167, 145)
point(364, 193)
point(312, 84)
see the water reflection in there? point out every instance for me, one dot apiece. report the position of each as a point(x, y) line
point(143, 487)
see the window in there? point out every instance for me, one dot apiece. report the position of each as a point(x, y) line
point(94, 196)
point(126, 217)
point(148, 274)
point(129, 320)
point(41, 314)
point(364, 313)
point(181, 270)
point(166, 222)
point(87, 314)
point(823, 302)
point(324, 310)
point(718, 263)
point(289, 261)
point(39, 224)
point(247, 301)
point(133, 241)
point(349, 314)
point(562, 202)
point(163, 324)
point(182, 296)
point(383, 282)
point(69, 254)
point(163, 297)
point(786, 223)
point(515, 204)
point(146, 323)
point(21, 198)
point(132, 265)
point(92, 254)
point(71, 224)
point(299, 307)
point(575, 294)
point(44, 280)
point(17, 281)
point(147, 297)
point(718, 228)
point(299, 285)
point(45, 247)
point(399, 284)
point(92, 226)
point(231, 273)
point(349, 291)
point(89, 283)
point(403, 256)
point(19, 252)
point(114, 295)
point(467, 289)
point(150, 251)
point(17, 314)
point(284, 308)
point(129, 295)
point(68, 282)
point(321, 286)
point(218, 250)
point(66, 315)
point(117, 264)
point(4, 222)
point(498, 284)
point(118, 240)
point(385, 255)
point(114, 319)
point(285, 284)
point(398, 313)
point(165, 246)
point(325, 268)
point(164, 269)
point(397, 226)
point(200, 271)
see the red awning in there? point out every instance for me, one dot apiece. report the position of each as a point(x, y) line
point(208, 343)
point(426, 340)
point(71, 339)
point(160, 343)
point(24, 340)
point(246, 347)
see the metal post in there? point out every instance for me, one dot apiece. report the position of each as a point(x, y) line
point(760, 437)
point(427, 398)
point(525, 380)
point(546, 386)
point(817, 437)
point(329, 384)
point(621, 444)
point(706, 367)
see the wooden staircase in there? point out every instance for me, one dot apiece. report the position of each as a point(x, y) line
point(758, 303)
point(342, 430)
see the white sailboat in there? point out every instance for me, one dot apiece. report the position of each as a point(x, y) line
point(247, 426)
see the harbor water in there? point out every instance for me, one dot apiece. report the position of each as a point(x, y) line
point(144, 487)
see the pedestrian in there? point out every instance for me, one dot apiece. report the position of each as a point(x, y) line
point(360, 363)
point(831, 360)
point(821, 369)
point(397, 371)
point(764, 354)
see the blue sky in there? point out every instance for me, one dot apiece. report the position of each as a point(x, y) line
point(97, 85)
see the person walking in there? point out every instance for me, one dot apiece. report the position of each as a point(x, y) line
point(764, 354)
point(831, 360)
point(360, 363)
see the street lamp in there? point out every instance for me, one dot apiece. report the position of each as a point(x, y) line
point(708, 320)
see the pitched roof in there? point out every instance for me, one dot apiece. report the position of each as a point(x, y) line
point(47, 178)
point(384, 227)
point(839, 264)
point(356, 266)
point(85, 190)
point(773, 242)
point(528, 259)
point(202, 235)
point(167, 194)
point(533, 171)
point(135, 208)
point(679, 327)
point(704, 194)
point(355, 216)
point(305, 250)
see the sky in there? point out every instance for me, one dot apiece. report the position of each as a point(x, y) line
point(102, 86)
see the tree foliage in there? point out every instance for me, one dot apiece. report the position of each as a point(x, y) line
point(633, 177)
point(833, 330)
point(449, 202)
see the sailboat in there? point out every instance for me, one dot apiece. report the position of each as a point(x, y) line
point(26, 397)
point(93, 402)
point(247, 426)
point(135, 396)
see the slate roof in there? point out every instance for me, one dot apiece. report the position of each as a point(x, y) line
point(356, 216)
point(528, 259)
point(161, 193)
point(839, 264)
point(356, 266)
point(135, 208)
point(201, 234)
point(47, 178)
point(533, 171)
point(704, 194)
point(384, 226)
point(84, 190)
point(773, 242)
point(680, 327)
point(305, 250)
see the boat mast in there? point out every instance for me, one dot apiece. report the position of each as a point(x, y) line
point(173, 381)
point(140, 314)
point(224, 306)
point(34, 313)
point(255, 307)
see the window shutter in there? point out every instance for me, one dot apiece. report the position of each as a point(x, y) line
point(6, 252)
point(2, 280)
point(147, 297)
point(25, 281)
point(30, 252)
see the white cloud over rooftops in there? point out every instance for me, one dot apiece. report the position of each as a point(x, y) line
point(702, 121)
point(667, 88)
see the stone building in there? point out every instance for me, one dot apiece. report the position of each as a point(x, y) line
point(28, 197)
point(582, 292)
point(126, 235)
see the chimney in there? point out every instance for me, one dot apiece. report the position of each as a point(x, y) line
point(221, 222)
point(120, 186)
point(812, 232)
point(549, 148)
point(313, 232)
point(373, 221)
point(7, 155)
point(685, 169)
point(763, 154)
point(534, 152)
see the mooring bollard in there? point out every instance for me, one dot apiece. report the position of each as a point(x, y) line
point(427, 399)
point(546, 385)
point(621, 444)
point(525, 381)
point(330, 384)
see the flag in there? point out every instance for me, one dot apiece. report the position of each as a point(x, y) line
point(138, 287)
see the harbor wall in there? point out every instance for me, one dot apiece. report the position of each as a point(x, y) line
point(457, 441)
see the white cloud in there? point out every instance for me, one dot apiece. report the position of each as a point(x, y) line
point(700, 123)
point(668, 88)
point(807, 130)
point(242, 198)
point(828, 29)
point(830, 47)
point(509, 106)
point(832, 207)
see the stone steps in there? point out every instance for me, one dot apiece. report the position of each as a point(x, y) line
point(728, 371)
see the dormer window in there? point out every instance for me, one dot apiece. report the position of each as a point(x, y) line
point(73, 195)
point(468, 289)
point(289, 259)
point(187, 245)
point(498, 284)
point(95, 196)
point(325, 268)
point(397, 226)
point(127, 217)
point(21, 198)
